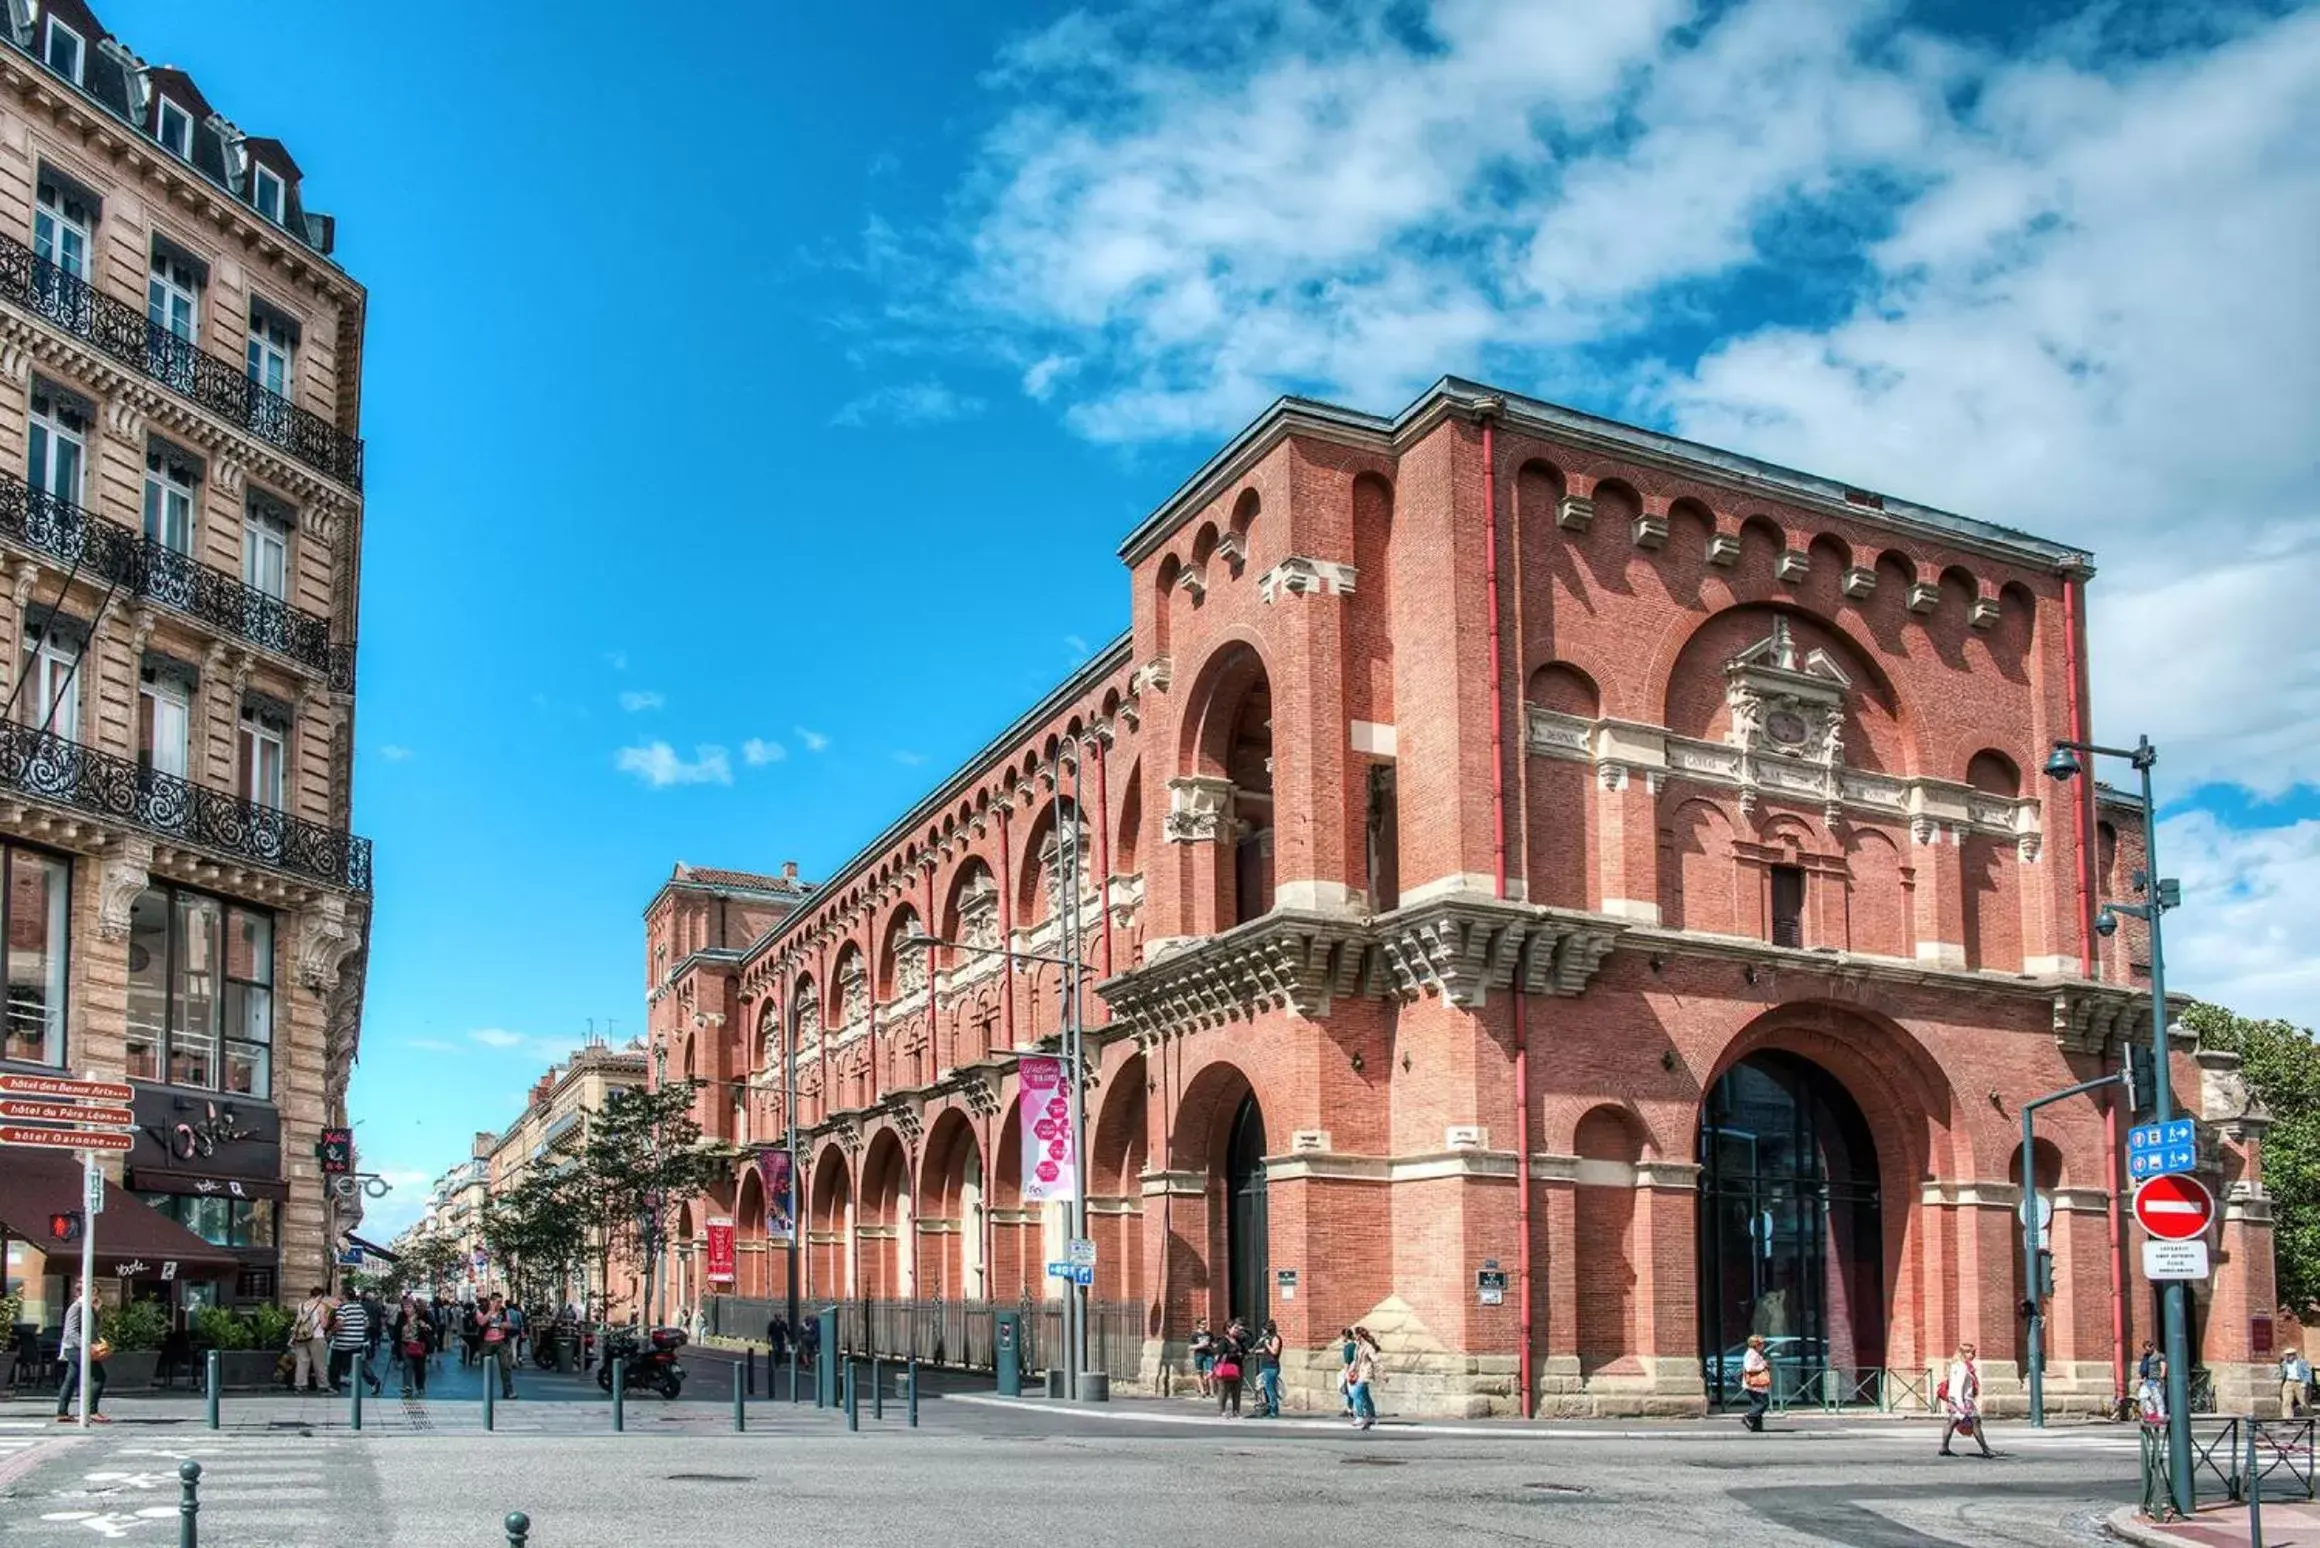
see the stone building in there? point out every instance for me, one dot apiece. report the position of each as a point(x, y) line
point(1566, 897)
point(553, 1130)
point(180, 541)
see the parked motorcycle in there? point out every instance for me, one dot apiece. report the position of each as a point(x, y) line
point(651, 1362)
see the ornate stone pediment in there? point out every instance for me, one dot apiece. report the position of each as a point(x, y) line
point(1787, 701)
point(1200, 809)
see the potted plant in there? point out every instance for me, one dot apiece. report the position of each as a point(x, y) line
point(11, 1310)
point(248, 1343)
point(135, 1331)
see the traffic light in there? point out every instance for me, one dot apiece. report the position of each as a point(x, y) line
point(65, 1225)
point(2045, 1291)
point(336, 1152)
point(2142, 1079)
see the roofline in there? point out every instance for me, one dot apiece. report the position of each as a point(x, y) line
point(805, 890)
point(1090, 672)
point(1456, 396)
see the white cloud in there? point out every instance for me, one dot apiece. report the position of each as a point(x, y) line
point(814, 741)
point(758, 752)
point(495, 1037)
point(659, 765)
point(925, 402)
point(394, 752)
point(1040, 377)
point(430, 1045)
point(910, 759)
point(634, 701)
point(617, 660)
point(2243, 937)
point(1077, 646)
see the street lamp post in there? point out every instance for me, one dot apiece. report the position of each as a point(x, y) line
point(2158, 897)
point(796, 1224)
point(1068, 844)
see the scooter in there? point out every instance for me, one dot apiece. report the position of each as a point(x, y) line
point(651, 1365)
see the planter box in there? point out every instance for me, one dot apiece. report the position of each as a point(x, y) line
point(242, 1370)
point(131, 1370)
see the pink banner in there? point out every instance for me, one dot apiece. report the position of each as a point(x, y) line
point(1050, 1149)
point(720, 1252)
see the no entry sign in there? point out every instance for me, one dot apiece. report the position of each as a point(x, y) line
point(2174, 1207)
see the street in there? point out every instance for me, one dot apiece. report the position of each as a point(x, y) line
point(981, 1470)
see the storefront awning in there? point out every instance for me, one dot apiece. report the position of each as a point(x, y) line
point(148, 1179)
point(372, 1249)
point(35, 1184)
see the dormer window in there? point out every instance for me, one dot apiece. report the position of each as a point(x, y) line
point(266, 193)
point(173, 127)
point(64, 51)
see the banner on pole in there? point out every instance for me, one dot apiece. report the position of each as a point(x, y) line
point(773, 1173)
point(720, 1251)
point(1050, 1149)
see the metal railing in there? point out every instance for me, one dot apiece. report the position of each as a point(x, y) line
point(954, 1334)
point(45, 765)
point(110, 551)
point(2237, 1457)
point(124, 333)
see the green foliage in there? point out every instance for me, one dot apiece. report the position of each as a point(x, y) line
point(269, 1326)
point(643, 1159)
point(11, 1312)
point(428, 1262)
point(222, 1327)
point(139, 1325)
point(2282, 1065)
point(538, 1230)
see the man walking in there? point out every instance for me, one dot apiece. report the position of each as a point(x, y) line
point(309, 1341)
point(350, 1337)
point(2293, 1374)
point(76, 1329)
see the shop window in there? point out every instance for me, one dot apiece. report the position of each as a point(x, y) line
point(38, 914)
point(201, 993)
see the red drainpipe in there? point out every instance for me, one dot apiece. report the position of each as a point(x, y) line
point(1522, 1060)
point(2082, 808)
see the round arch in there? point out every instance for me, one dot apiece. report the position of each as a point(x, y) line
point(885, 1227)
point(831, 1244)
point(951, 1213)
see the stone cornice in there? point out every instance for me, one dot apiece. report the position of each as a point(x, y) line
point(1463, 945)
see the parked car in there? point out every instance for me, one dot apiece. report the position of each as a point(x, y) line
point(1790, 1356)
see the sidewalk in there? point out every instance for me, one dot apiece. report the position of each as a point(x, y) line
point(2287, 1524)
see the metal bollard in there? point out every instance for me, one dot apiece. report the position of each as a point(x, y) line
point(490, 1397)
point(740, 1417)
point(749, 1364)
point(211, 1382)
point(819, 1400)
point(914, 1392)
point(853, 1413)
point(519, 1528)
point(188, 1504)
point(793, 1373)
point(619, 1392)
point(877, 1389)
point(354, 1389)
point(2255, 1490)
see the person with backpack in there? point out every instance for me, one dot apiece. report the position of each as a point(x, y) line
point(310, 1342)
point(1960, 1396)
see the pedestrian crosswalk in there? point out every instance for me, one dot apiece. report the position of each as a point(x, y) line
point(255, 1491)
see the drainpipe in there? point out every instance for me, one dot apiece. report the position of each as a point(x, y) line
point(2082, 817)
point(1487, 411)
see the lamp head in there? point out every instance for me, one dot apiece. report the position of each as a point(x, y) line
point(919, 940)
point(2063, 765)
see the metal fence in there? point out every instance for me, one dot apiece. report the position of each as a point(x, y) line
point(2237, 1457)
point(958, 1334)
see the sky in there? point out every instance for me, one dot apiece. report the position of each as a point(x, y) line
point(754, 408)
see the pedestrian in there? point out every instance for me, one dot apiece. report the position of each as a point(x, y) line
point(1225, 1370)
point(2293, 1374)
point(1362, 1376)
point(809, 1339)
point(470, 1334)
point(412, 1335)
point(1961, 1399)
point(1268, 1353)
point(376, 1311)
point(1347, 1347)
point(518, 1329)
point(499, 1343)
point(2151, 1389)
point(310, 1341)
point(1204, 1357)
point(77, 1320)
point(350, 1336)
point(1756, 1383)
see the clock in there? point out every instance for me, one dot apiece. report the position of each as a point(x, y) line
point(1786, 727)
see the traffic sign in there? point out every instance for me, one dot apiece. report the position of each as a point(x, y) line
point(92, 1189)
point(2174, 1208)
point(1083, 1252)
point(2175, 1260)
point(2045, 1203)
point(66, 1090)
point(2156, 1149)
point(35, 1111)
point(65, 1139)
point(1073, 1272)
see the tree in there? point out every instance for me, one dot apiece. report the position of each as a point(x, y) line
point(643, 1158)
point(431, 1261)
point(2282, 1065)
point(539, 1229)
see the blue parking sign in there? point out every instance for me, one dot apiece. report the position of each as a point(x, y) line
point(2156, 1149)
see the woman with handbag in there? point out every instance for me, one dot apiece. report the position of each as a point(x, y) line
point(1756, 1382)
point(1361, 1378)
point(1961, 1400)
point(80, 1323)
point(411, 1334)
point(1231, 1351)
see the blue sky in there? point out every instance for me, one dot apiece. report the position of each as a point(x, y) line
point(717, 376)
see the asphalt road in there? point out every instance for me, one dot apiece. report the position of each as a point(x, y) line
point(981, 1473)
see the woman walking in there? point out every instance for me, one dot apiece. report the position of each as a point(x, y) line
point(1756, 1382)
point(411, 1335)
point(1231, 1351)
point(1361, 1378)
point(1961, 1400)
point(1346, 1349)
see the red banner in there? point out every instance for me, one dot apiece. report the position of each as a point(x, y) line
point(720, 1251)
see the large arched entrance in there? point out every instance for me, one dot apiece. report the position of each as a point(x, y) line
point(1791, 1231)
point(1248, 1235)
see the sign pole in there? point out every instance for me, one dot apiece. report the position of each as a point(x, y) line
point(2034, 1241)
point(92, 1184)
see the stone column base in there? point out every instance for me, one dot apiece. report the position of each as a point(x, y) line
point(1660, 1386)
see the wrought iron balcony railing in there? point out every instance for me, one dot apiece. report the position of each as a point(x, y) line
point(112, 552)
point(224, 387)
point(47, 766)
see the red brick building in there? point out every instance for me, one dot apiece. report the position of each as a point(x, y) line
point(1518, 849)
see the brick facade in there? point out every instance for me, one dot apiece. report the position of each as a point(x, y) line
point(1475, 790)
